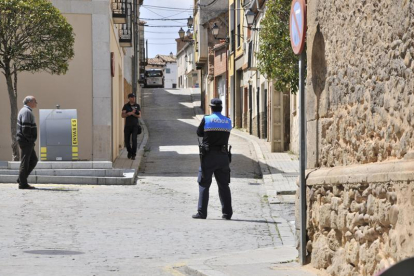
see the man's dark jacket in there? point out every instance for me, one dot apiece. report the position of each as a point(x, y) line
point(26, 127)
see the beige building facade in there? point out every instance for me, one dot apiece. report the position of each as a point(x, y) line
point(94, 83)
point(360, 137)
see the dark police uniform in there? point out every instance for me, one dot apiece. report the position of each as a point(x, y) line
point(215, 130)
point(131, 128)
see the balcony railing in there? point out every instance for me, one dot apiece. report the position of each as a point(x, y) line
point(119, 11)
point(125, 35)
point(125, 30)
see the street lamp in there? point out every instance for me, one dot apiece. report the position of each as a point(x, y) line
point(250, 17)
point(250, 20)
point(181, 33)
point(190, 22)
point(188, 32)
point(215, 30)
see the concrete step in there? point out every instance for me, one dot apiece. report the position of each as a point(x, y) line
point(127, 179)
point(13, 165)
point(70, 172)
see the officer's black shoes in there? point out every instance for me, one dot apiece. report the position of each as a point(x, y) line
point(133, 157)
point(129, 155)
point(227, 217)
point(198, 216)
point(26, 187)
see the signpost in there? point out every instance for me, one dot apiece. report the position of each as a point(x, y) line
point(297, 28)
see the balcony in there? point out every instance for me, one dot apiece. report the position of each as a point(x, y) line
point(119, 11)
point(125, 35)
point(125, 30)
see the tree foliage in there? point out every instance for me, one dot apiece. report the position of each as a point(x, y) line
point(276, 59)
point(34, 36)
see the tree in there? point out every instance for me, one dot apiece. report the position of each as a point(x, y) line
point(34, 37)
point(276, 59)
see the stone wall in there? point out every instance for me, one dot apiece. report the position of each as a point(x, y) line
point(263, 125)
point(360, 218)
point(360, 118)
point(359, 91)
point(255, 129)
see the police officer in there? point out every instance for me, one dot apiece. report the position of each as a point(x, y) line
point(215, 130)
point(131, 112)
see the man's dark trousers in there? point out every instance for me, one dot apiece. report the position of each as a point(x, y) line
point(28, 163)
point(215, 162)
point(128, 132)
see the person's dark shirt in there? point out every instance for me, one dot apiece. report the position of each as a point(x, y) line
point(26, 126)
point(131, 120)
point(216, 136)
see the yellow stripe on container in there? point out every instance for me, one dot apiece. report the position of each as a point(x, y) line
point(43, 155)
point(43, 150)
point(74, 127)
point(74, 149)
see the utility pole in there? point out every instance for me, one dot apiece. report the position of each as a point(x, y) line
point(233, 46)
point(135, 38)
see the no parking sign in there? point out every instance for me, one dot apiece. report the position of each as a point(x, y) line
point(297, 25)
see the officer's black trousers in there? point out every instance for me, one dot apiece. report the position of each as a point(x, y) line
point(27, 164)
point(128, 132)
point(217, 163)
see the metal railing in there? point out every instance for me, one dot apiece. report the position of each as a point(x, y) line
point(126, 31)
point(119, 11)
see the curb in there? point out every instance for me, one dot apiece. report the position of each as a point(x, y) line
point(262, 257)
point(141, 150)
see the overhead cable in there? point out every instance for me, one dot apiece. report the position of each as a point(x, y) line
point(164, 19)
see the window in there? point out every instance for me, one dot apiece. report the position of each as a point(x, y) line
point(153, 73)
point(167, 70)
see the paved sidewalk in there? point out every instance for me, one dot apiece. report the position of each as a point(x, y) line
point(122, 161)
point(279, 261)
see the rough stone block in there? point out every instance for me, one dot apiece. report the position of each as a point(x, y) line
point(352, 252)
point(325, 215)
point(321, 254)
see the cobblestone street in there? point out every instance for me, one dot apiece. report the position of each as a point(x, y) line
point(145, 229)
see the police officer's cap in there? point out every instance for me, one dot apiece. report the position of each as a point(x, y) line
point(216, 102)
point(131, 95)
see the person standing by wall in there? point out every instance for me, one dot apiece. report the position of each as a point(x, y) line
point(215, 130)
point(131, 112)
point(26, 137)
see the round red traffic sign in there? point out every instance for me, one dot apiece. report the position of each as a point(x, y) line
point(297, 25)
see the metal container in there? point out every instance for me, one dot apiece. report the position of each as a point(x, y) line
point(58, 134)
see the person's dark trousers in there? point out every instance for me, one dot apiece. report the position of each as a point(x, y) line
point(28, 163)
point(217, 163)
point(128, 132)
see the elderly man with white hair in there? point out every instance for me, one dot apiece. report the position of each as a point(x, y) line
point(26, 137)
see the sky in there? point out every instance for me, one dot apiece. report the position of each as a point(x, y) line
point(161, 40)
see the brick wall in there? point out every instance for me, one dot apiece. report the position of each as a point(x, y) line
point(220, 60)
